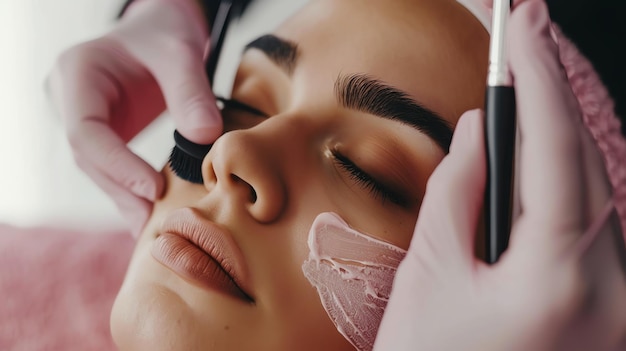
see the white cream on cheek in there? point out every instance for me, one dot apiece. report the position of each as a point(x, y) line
point(353, 274)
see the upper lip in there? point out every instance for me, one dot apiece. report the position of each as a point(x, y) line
point(212, 239)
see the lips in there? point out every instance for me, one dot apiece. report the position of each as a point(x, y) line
point(202, 252)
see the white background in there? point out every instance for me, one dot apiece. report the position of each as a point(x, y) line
point(39, 182)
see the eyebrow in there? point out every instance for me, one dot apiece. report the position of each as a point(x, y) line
point(366, 94)
point(283, 53)
point(363, 93)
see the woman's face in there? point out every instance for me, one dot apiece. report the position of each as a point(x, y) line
point(360, 97)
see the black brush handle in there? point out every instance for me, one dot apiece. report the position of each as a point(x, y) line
point(218, 33)
point(500, 141)
point(193, 150)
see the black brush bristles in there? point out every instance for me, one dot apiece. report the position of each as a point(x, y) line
point(185, 167)
point(186, 159)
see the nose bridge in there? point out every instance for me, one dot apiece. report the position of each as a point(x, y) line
point(253, 164)
point(268, 142)
point(284, 128)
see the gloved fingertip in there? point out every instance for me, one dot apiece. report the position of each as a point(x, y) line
point(137, 224)
point(203, 127)
point(136, 216)
point(149, 190)
point(468, 131)
point(532, 16)
point(531, 47)
point(539, 15)
point(206, 135)
point(160, 187)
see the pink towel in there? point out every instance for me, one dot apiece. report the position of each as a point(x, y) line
point(57, 288)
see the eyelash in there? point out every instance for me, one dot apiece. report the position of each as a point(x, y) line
point(237, 105)
point(366, 181)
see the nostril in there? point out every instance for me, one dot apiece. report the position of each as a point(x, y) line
point(252, 192)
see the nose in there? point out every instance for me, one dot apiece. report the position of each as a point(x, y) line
point(244, 166)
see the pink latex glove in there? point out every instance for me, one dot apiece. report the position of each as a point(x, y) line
point(557, 287)
point(108, 89)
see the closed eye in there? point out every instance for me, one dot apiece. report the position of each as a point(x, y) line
point(374, 187)
point(237, 105)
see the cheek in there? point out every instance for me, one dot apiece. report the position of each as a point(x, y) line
point(178, 192)
point(293, 315)
point(353, 274)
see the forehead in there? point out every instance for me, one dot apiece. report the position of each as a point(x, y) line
point(419, 46)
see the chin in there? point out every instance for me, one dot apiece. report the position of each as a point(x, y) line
point(157, 310)
point(150, 318)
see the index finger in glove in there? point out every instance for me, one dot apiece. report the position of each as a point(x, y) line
point(175, 60)
point(85, 96)
point(551, 185)
point(189, 98)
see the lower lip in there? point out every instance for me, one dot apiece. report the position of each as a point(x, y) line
point(190, 262)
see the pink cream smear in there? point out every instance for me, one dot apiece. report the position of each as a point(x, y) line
point(353, 274)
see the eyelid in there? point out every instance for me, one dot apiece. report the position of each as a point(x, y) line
point(238, 105)
point(376, 188)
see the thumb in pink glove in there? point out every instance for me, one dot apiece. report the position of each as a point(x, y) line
point(561, 284)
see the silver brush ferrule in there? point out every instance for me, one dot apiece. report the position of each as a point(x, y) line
point(498, 73)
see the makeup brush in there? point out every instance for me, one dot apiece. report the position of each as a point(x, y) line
point(499, 137)
point(186, 156)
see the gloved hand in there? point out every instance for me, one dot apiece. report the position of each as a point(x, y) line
point(108, 89)
point(558, 286)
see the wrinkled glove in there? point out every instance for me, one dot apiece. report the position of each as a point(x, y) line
point(561, 284)
point(108, 89)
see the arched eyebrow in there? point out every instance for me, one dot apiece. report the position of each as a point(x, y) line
point(366, 94)
point(363, 93)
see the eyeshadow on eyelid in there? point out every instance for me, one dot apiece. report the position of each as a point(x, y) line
point(386, 159)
